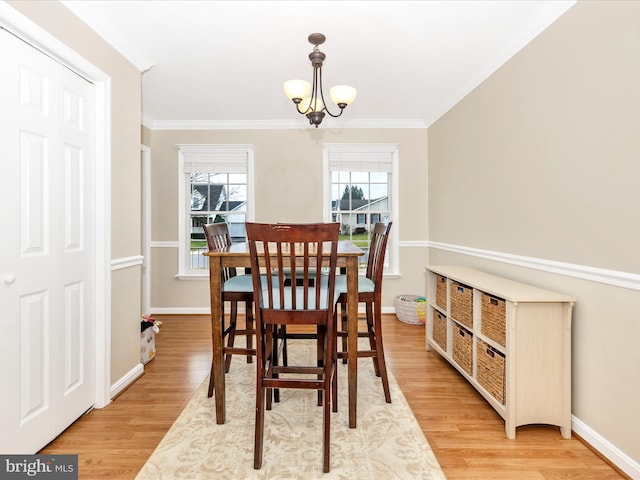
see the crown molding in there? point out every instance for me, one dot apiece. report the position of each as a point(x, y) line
point(111, 34)
point(298, 124)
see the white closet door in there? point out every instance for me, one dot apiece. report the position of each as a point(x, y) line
point(47, 254)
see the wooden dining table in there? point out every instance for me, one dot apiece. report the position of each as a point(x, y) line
point(237, 255)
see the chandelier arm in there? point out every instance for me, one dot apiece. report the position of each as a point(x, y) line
point(315, 116)
point(314, 89)
point(312, 96)
point(326, 108)
point(300, 111)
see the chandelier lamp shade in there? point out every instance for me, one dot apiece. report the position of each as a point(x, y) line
point(309, 97)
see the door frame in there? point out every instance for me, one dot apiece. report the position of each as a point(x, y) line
point(24, 28)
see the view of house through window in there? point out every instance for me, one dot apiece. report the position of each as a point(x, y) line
point(219, 197)
point(360, 191)
point(215, 187)
point(358, 201)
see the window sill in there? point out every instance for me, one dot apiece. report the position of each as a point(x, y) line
point(192, 276)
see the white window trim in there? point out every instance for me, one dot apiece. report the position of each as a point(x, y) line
point(372, 148)
point(201, 151)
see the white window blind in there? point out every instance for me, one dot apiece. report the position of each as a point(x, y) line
point(214, 158)
point(357, 158)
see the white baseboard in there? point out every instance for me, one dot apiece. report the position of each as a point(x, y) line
point(606, 448)
point(130, 377)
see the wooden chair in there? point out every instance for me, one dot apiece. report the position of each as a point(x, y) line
point(235, 288)
point(287, 297)
point(370, 293)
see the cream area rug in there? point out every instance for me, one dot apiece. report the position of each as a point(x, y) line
point(387, 443)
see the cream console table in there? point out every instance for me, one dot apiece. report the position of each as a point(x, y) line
point(511, 341)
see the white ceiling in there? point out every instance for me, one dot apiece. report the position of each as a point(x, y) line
point(221, 64)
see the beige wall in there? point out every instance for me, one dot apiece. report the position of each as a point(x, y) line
point(125, 168)
point(288, 179)
point(541, 161)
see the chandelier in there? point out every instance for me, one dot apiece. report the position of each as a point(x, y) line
point(309, 98)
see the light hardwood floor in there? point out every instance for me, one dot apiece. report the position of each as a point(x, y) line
point(465, 433)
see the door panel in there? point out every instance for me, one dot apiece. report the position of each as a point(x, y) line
point(77, 248)
point(34, 355)
point(47, 247)
point(72, 340)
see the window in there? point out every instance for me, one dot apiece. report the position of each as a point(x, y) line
point(360, 182)
point(215, 186)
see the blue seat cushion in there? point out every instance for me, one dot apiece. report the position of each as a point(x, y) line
point(239, 283)
point(365, 285)
point(299, 297)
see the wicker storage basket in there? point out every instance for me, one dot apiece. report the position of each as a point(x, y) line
point(440, 329)
point(463, 348)
point(491, 370)
point(461, 298)
point(441, 292)
point(410, 310)
point(493, 318)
